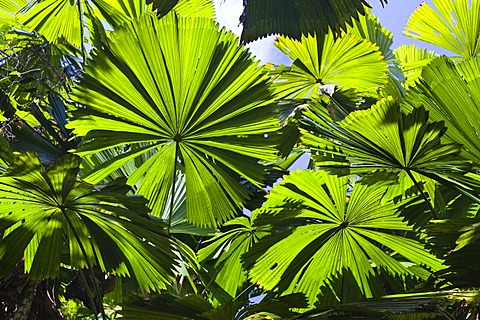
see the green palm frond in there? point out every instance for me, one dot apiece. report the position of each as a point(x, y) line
point(65, 20)
point(6, 155)
point(8, 8)
point(412, 60)
point(205, 106)
point(458, 240)
point(56, 20)
point(453, 25)
point(227, 248)
point(410, 306)
point(383, 138)
point(294, 18)
point(117, 12)
point(329, 61)
point(76, 22)
point(450, 93)
point(325, 233)
point(45, 210)
point(175, 211)
point(368, 27)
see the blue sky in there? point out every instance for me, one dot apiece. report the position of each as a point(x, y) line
point(393, 16)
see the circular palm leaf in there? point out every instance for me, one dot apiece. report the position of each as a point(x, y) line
point(347, 62)
point(384, 138)
point(191, 94)
point(43, 212)
point(330, 239)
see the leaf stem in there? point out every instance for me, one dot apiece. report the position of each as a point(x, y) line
point(89, 292)
point(424, 196)
point(245, 290)
point(172, 194)
point(89, 267)
point(82, 32)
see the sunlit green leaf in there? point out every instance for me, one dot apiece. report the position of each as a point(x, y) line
point(45, 210)
point(327, 234)
point(75, 21)
point(382, 137)
point(226, 250)
point(412, 60)
point(329, 61)
point(450, 93)
point(453, 25)
point(8, 8)
point(213, 115)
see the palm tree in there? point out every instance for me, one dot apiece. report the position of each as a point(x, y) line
point(135, 135)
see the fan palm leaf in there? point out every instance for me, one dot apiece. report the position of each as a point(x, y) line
point(409, 306)
point(45, 210)
point(453, 25)
point(227, 248)
point(175, 211)
point(56, 20)
point(412, 60)
point(328, 234)
point(295, 18)
point(205, 106)
point(329, 61)
point(8, 8)
point(383, 138)
point(450, 93)
point(65, 20)
point(368, 27)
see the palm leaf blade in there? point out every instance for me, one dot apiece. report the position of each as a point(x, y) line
point(202, 112)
